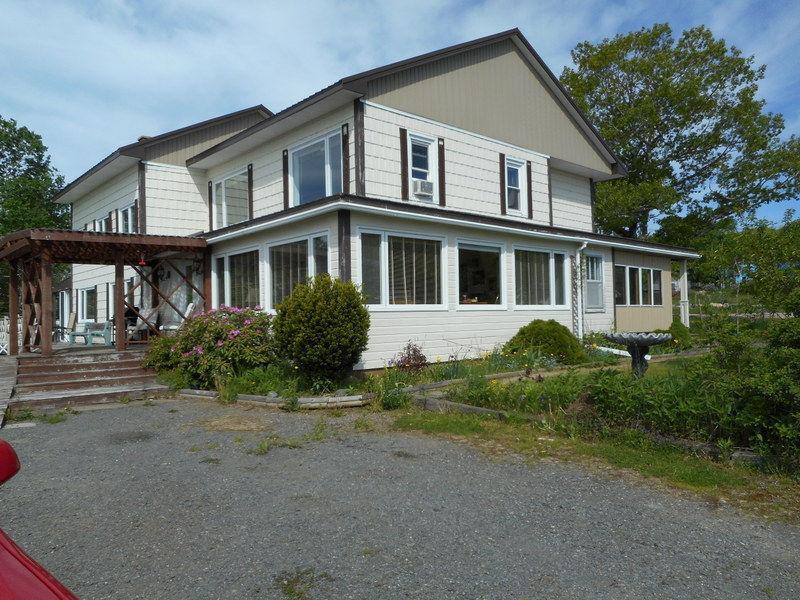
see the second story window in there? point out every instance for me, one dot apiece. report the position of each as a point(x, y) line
point(515, 185)
point(317, 169)
point(422, 158)
point(126, 219)
point(230, 200)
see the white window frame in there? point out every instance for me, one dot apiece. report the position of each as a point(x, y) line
point(227, 276)
point(129, 210)
point(293, 199)
point(384, 305)
point(82, 304)
point(433, 166)
point(214, 183)
point(267, 267)
point(552, 252)
point(641, 287)
point(519, 164)
point(601, 281)
point(99, 225)
point(503, 275)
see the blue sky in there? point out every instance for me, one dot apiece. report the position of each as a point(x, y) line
point(93, 76)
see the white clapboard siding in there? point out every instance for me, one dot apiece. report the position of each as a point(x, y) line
point(572, 201)
point(175, 200)
point(602, 320)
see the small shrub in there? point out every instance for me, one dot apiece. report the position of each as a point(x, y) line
point(549, 338)
point(322, 327)
point(215, 346)
point(681, 336)
point(411, 358)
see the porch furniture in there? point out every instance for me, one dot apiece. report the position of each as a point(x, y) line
point(93, 330)
point(172, 327)
point(60, 332)
point(140, 331)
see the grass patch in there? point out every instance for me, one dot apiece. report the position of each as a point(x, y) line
point(362, 424)
point(767, 495)
point(298, 584)
point(274, 441)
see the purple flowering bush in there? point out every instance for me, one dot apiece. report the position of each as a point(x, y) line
point(214, 346)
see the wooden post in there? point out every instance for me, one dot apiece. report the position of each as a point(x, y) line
point(13, 308)
point(120, 337)
point(27, 308)
point(684, 286)
point(46, 291)
point(206, 280)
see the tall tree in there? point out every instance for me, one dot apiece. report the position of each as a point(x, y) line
point(27, 184)
point(685, 118)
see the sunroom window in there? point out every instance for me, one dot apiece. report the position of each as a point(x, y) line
point(294, 262)
point(230, 200)
point(317, 169)
point(244, 279)
point(479, 278)
point(658, 299)
point(539, 278)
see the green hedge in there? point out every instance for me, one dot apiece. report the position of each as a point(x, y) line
point(550, 338)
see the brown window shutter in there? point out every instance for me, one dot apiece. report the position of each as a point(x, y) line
point(530, 190)
point(403, 164)
point(250, 190)
point(210, 206)
point(346, 158)
point(285, 180)
point(502, 183)
point(86, 227)
point(442, 190)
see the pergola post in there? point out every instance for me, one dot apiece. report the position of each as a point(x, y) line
point(684, 287)
point(46, 291)
point(13, 308)
point(27, 309)
point(120, 338)
point(206, 280)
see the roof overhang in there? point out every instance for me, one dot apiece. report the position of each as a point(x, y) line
point(315, 106)
point(441, 216)
point(108, 168)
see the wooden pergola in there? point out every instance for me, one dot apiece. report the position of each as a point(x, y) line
point(33, 252)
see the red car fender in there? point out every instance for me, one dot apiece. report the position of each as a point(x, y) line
point(22, 578)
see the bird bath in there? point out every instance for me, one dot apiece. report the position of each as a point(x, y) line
point(638, 344)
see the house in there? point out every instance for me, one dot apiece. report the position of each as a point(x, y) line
point(456, 188)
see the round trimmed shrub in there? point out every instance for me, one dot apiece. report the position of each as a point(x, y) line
point(681, 336)
point(550, 338)
point(322, 327)
point(214, 346)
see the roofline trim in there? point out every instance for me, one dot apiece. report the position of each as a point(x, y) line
point(444, 217)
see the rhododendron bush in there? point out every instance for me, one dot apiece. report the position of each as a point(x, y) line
point(211, 347)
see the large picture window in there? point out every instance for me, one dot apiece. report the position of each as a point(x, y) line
point(317, 169)
point(594, 283)
point(294, 262)
point(479, 276)
point(539, 278)
point(230, 200)
point(244, 279)
point(408, 268)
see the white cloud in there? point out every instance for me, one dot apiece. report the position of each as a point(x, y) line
point(93, 76)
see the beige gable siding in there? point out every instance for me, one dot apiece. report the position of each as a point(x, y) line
point(177, 150)
point(176, 200)
point(267, 160)
point(492, 91)
point(472, 164)
point(646, 318)
point(572, 201)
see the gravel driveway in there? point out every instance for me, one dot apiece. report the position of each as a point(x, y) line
point(168, 501)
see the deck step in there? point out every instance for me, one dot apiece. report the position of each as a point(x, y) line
point(67, 367)
point(81, 375)
point(100, 395)
point(90, 382)
point(80, 357)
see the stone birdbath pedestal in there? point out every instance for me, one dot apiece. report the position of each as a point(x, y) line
point(638, 345)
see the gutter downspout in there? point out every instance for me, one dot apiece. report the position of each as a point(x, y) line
point(579, 295)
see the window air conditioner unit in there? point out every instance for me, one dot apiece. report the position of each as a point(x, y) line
point(423, 188)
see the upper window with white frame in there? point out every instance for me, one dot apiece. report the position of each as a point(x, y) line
point(231, 204)
point(515, 185)
point(127, 219)
point(422, 158)
point(101, 224)
point(316, 169)
point(401, 270)
point(637, 286)
point(540, 278)
point(292, 263)
point(594, 283)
